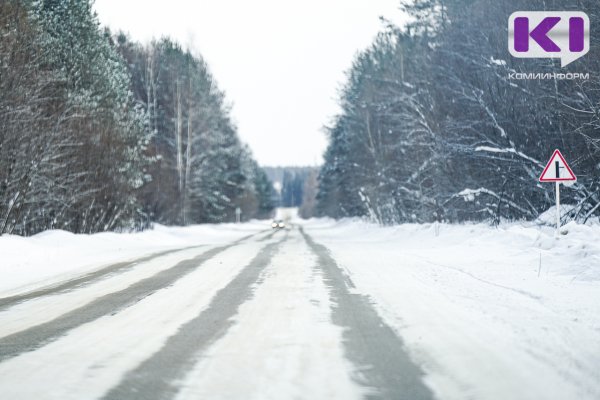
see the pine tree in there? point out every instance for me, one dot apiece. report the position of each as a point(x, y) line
point(82, 159)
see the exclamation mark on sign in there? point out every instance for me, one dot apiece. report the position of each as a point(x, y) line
point(576, 34)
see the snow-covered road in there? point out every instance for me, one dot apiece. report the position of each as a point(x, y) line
point(320, 310)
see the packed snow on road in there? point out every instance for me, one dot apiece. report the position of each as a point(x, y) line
point(317, 310)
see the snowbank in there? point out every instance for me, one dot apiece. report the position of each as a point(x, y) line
point(54, 256)
point(490, 313)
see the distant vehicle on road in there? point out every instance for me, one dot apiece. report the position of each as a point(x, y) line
point(278, 224)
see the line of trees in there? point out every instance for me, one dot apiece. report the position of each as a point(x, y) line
point(432, 127)
point(297, 188)
point(99, 133)
point(200, 172)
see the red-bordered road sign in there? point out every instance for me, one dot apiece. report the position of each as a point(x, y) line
point(557, 169)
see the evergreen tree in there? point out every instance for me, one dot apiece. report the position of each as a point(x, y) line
point(445, 134)
point(100, 133)
point(82, 161)
point(202, 172)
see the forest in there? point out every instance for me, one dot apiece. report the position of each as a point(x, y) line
point(434, 127)
point(295, 187)
point(99, 133)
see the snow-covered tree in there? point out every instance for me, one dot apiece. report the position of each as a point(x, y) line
point(202, 172)
point(81, 161)
point(432, 127)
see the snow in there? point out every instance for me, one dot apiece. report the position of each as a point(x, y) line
point(54, 256)
point(508, 150)
point(549, 217)
point(97, 355)
point(469, 194)
point(489, 313)
point(498, 62)
point(283, 345)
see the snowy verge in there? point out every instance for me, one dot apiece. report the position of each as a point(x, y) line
point(489, 313)
point(53, 256)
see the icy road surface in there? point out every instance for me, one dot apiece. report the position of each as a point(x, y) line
point(320, 310)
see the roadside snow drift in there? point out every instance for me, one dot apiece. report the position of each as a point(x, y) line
point(54, 256)
point(487, 313)
point(506, 313)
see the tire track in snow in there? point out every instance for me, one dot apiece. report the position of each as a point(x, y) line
point(37, 336)
point(156, 378)
point(371, 345)
point(283, 344)
point(84, 280)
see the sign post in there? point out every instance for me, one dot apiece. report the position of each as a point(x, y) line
point(557, 191)
point(557, 170)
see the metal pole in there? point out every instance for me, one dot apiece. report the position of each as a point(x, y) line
point(557, 208)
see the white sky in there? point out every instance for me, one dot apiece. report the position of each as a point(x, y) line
point(280, 62)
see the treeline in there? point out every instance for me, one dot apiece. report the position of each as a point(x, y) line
point(200, 172)
point(297, 187)
point(98, 133)
point(433, 128)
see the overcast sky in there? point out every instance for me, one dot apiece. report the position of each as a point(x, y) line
point(280, 62)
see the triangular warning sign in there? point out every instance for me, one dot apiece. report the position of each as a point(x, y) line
point(557, 169)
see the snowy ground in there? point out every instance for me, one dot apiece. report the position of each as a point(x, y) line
point(54, 256)
point(507, 313)
point(244, 312)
